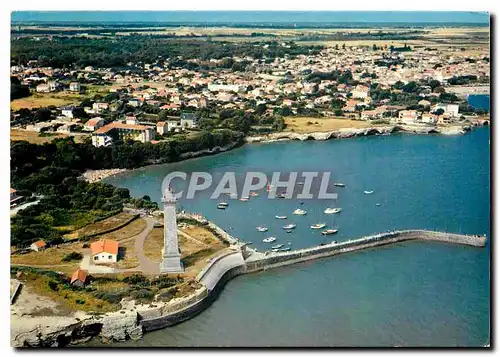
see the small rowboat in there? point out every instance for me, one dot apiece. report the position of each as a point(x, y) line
point(329, 231)
point(318, 226)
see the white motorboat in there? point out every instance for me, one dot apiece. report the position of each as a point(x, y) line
point(244, 199)
point(318, 225)
point(368, 192)
point(220, 206)
point(332, 210)
point(225, 204)
point(329, 231)
point(261, 229)
point(280, 217)
point(290, 226)
point(277, 246)
point(299, 212)
point(284, 249)
point(269, 239)
point(339, 184)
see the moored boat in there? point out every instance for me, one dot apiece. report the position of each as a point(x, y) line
point(299, 212)
point(339, 184)
point(368, 192)
point(330, 210)
point(318, 226)
point(277, 246)
point(244, 199)
point(280, 217)
point(269, 239)
point(290, 226)
point(253, 194)
point(261, 228)
point(329, 231)
point(219, 206)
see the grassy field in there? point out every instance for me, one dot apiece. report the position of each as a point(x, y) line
point(51, 258)
point(131, 229)
point(196, 249)
point(39, 100)
point(35, 138)
point(310, 125)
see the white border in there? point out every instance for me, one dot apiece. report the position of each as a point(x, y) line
point(360, 5)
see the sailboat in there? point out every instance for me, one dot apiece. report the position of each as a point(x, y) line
point(332, 210)
point(318, 225)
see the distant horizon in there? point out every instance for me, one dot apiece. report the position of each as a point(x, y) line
point(257, 17)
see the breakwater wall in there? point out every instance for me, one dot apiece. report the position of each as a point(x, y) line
point(277, 259)
point(123, 325)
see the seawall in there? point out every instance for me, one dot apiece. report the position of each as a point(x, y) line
point(133, 323)
point(277, 259)
point(357, 132)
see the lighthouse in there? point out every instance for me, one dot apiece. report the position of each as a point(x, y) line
point(171, 255)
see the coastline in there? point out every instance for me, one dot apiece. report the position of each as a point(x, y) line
point(343, 133)
point(127, 324)
point(132, 320)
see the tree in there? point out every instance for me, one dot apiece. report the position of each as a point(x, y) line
point(375, 47)
point(17, 89)
point(42, 114)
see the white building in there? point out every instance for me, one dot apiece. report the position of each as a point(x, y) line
point(67, 112)
point(104, 251)
point(74, 87)
point(93, 124)
point(450, 109)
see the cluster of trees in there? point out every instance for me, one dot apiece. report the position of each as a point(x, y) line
point(17, 89)
point(462, 80)
point(62, 52)
point(52, 169)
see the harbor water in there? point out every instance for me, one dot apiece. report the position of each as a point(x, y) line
point(410, 294)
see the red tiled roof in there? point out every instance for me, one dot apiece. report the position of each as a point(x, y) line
point(40, 243)
point(105, 245)
point(110, 126)
point(79, 275)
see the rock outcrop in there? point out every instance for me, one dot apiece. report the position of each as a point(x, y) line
point(355, 132)
point(120, 326)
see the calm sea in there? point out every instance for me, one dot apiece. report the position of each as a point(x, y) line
point(480, 101)
point(412, 294)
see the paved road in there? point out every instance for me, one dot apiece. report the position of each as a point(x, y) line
point(145, 265)
point(14, 210)
point(219, 268)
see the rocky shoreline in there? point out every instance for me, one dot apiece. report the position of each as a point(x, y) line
point(352, 132)
point(98, 175)
point(92, 176)
point(57, 330)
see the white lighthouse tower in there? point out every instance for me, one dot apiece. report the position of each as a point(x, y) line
point(171, 262)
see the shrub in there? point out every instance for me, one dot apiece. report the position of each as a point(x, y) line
point(72, 256)
point(53, 285)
